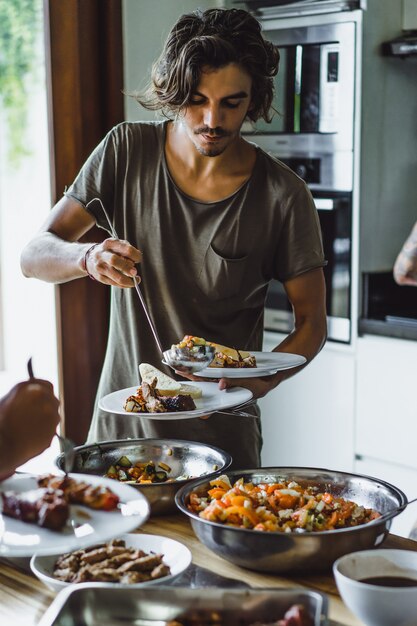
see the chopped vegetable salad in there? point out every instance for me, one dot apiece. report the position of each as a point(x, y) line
point(283, 506)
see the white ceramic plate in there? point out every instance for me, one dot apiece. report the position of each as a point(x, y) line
point(176, 556)
point(212, 400)
point(267, 363)
point(85, 527)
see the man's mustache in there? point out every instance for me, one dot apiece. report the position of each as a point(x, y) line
point(212, 132)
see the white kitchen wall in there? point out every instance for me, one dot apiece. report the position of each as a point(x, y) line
point(146, 24)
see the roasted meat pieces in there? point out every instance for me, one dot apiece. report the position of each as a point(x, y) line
point(48, 506)
point(296, 615)
point(110, 562)
point(96, 497)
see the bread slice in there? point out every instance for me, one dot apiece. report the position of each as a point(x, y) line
point(190, 390)
point(165, 385)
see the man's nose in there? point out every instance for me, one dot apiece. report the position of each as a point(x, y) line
point(212, 117)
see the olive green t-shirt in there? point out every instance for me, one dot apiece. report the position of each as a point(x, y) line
point(205, 270)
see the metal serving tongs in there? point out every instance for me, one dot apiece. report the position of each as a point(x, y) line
point(66, 445)
point(178, 359)
point(134, 278)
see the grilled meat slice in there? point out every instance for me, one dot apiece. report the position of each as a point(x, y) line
point(178, 403)
point(45, 507)
point(105, 562)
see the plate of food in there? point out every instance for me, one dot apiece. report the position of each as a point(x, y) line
point(55, 514)
point(236, 363)
point(161, 397)
point(267, 364)
point(133, 559)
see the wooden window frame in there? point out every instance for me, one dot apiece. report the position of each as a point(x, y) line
point(84, 53)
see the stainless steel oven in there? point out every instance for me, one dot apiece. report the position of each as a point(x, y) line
point(335, 214)
point(315, 132)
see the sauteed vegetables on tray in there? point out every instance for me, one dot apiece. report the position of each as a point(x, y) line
point(278, 507)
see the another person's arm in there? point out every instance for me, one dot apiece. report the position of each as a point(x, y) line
point(55, 254)
point(29, 416)
point(307, 294)
point(405, 267)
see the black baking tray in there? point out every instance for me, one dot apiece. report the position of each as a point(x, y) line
point(89, 604)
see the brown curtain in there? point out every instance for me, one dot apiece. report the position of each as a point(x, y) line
point(85, 82)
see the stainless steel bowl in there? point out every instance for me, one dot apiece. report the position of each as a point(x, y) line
point(189, 360)
point(297, 552)
point(186, 458)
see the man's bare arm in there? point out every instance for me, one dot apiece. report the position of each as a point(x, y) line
point(55, 254)
point(405, 267)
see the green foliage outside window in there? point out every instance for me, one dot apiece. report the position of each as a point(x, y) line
point(20, 22)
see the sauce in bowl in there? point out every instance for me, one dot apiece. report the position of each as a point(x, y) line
point(389, 581)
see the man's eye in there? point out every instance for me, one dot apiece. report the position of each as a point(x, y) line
point(232, 105)
point(196, 101)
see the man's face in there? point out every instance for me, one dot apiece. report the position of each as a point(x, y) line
point(218, 109)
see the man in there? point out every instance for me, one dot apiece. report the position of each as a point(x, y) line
point(405, 266)
point(28, 419)
point(210, 218)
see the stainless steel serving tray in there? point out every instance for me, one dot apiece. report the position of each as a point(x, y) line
point(89, 605)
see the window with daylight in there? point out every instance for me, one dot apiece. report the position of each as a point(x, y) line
point(27, 306)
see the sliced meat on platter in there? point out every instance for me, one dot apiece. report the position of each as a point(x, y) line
point(96, 497)
point(45, 507)
point(48, 506)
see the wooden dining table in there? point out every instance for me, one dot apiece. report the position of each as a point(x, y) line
point(24, 599)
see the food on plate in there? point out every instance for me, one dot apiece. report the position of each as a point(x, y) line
point(148, 400)
point(296, 615)
point(47, 508)
point(231, 357)
point(97, 497)
point(165, 385)
point(224, 356)
point(282, 506)
point(126, 471)
point(110, 562)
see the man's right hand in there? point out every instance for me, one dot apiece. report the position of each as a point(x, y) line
point(113, 262)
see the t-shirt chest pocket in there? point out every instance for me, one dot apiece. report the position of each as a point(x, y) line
point(221, 277)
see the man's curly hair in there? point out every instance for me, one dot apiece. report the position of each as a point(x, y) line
point(212, 38)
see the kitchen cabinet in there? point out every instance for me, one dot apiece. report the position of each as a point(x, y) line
point(402, 477)
point(308, 420)
point(386, 417)
point(386, 413)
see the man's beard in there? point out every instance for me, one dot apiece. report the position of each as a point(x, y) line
point(211, 151)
